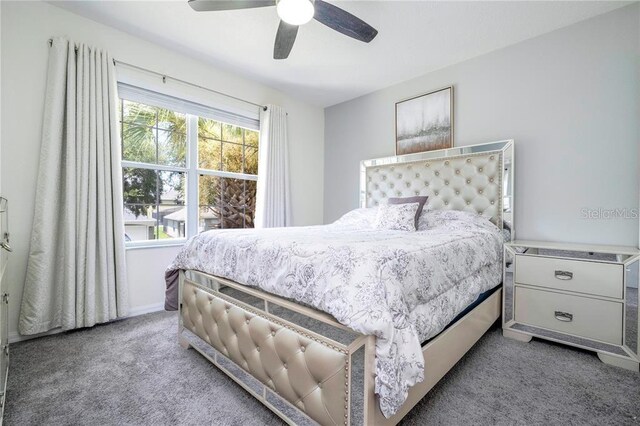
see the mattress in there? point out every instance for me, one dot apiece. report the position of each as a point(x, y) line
point(483, 296)
point(403, 287)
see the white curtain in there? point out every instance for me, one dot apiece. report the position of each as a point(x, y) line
point(76, 274)
point(273, 200)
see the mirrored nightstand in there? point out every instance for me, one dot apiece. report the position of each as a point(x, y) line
point(580, 295)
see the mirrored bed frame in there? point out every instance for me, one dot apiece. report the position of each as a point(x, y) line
point(304, 365)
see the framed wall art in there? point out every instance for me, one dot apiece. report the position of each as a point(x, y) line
point(425, 122)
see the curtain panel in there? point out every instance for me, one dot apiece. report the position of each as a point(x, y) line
point(273, 199)
point(76, 274)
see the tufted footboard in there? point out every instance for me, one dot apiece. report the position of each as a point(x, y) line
point(302, 368)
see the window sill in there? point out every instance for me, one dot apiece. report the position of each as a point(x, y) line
point(137, 245)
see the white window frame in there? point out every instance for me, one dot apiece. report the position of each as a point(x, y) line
point(193, 173)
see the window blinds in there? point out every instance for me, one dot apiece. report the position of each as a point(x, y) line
point(150, 97)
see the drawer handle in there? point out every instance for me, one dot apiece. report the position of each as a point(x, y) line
point(564, 275)
point(564, 316)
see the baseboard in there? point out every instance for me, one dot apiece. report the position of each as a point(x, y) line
point(15, 337)
point(146, 309)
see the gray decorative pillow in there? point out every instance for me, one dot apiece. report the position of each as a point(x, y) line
point(400, 217)
point(420, 199)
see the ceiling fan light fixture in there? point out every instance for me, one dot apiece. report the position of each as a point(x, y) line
point(295, 12)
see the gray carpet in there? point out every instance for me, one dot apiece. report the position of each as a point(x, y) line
point(133, 372)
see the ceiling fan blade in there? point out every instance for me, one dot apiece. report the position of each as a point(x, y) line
point(285, 37)
point(343, 22)
point(214, 5)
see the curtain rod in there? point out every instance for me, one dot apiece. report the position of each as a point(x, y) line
point(165, 77)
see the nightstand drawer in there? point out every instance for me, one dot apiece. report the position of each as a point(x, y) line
point(602, 279)
point(577, 315)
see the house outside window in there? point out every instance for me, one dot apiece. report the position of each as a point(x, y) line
point(185, 170)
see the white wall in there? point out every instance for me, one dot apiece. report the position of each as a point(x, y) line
point(0, 110)
point(26, 27)
point(570, 99)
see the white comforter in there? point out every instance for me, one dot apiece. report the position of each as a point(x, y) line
point(403, 287)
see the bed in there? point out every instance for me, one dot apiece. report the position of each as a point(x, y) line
point(344, 324)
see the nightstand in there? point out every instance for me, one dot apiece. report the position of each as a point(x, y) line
point(580, 295)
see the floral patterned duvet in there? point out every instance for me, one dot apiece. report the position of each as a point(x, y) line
point(403, 287)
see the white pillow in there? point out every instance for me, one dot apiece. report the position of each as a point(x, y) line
point(397, 217)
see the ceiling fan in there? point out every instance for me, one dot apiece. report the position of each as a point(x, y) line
point(294, 13)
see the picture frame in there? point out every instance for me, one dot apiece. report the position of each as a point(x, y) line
point(425, 122)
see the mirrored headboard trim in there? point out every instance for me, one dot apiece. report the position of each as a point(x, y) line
point(475, 178)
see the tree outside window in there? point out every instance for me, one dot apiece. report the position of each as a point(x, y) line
point(155, 154)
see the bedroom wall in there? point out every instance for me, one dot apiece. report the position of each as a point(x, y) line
point(571, 101)
point(26, 27)
point(1, 111)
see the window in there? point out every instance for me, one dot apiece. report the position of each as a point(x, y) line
point(184, 173)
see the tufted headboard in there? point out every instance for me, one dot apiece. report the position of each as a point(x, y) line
point(477, 178)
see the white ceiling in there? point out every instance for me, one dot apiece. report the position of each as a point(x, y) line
point(327, 68)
